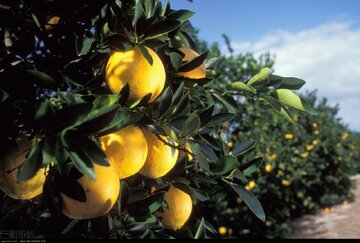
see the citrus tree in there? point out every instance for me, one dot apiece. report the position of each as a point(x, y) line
point(113, 121)
point(306, 166)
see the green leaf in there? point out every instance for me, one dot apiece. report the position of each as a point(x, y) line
point(83, 44)
point(106, 100)
point(42, 78)
point(181, 15)
point(125, 193)
point(219, 119)
point(120, 120)
point(176, 60)
point(279, 108)
point(206, 115)
point(201, 195)
point(139, 12)
point(164, 101)
point(78, 155)
point(225, 164)
point(243, 147)
point(3, 96)
point(253, 204)
point(289, 98)
point(292, 83)
point(191, 125)
point(242, 87)
point(194, 63)
point(228, 102)
point(213, 62)
point(251, 166)
point(36, 20)
point(161, 28)
point(31, 165)
point(260, 78)
point(201, 231)
point(149, 204)
point(141, 102)
point(97, 120)
point(124, 94)
point(146, 54)
point(42, 111)
point(48, 150)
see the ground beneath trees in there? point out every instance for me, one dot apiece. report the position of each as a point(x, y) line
point(342, 222)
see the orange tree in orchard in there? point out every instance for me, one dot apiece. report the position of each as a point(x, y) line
point(111, 121)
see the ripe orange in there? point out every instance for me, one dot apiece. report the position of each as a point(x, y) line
point(161, 157)
point(8, 173)
point(101, 194)
point(126, 149)
point(197, 73)
point(132, 67)
point(179, 209)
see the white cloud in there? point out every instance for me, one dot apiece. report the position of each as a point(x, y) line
point(327, 57)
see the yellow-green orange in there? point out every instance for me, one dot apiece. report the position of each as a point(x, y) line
point(179, 208)
point(197, 73)
point(126, 149)
point(132, 67)
point(101, 194)
point(8, 173)
point(161, 157)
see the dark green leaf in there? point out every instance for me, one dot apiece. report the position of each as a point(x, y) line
point(31, 165)
point(78, 155)
point(98, 120)
point(164, 101)
point(139, 12)
point(250, 201)
point(194, 63)
point(191, 125)
point(48, 150)
point(213, 62)
point(206, 115)
point(161, 28)
point(146, 54)
point(125, 193)
point(124, 94)
point(176, 60)
point(243, 147)
point(3, 95)
point(251, 166)
point(42, 78)
point(292, 83)
point(201, 195)
point(42, 111)
point(181, 15)
point(120, 120)
point(225, 164)
point(83, 44)
point(106, 100)
point(141, 102)
point(201, 231)
point(149, 204)
point(219, 119)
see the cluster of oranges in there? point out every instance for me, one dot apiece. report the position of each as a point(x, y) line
point(129, 151)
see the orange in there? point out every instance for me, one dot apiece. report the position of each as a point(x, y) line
point(101, 194)
point(126, 149)
point(197, 73)
point(161, 157)
point(131, 67)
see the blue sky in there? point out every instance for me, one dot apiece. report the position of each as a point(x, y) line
point(316, 40)
point(245, 20)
